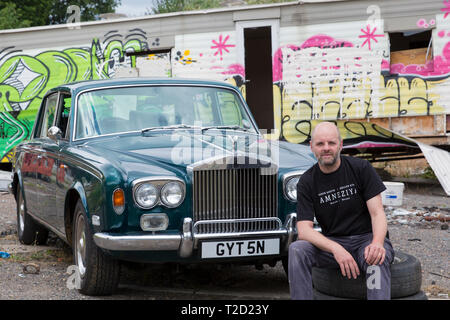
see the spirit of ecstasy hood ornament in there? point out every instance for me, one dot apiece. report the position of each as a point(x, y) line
point(234, 139)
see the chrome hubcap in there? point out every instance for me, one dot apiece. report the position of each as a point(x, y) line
point(80, 245)
point(21, 215)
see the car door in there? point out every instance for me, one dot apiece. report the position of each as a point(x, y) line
point(62, 178)
point(46, 165)
point(31, 160)
point(28, 173)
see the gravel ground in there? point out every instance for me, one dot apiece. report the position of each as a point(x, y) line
point(419, 227)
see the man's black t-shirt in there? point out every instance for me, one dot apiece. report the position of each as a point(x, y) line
point(338, 199)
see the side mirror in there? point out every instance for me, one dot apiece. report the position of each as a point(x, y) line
point(54, 133)
point(246, 124)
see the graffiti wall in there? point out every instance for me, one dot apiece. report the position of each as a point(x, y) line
point(25, 76)
point(345, 73)
point(320, 72)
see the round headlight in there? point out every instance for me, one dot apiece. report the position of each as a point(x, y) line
point(172, 194)
point(146, 195)
point(291, 188)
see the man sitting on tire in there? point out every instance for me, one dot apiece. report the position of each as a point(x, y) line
point(343, 194)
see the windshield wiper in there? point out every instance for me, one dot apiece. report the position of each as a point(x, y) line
point(175, 126)
point(235, 127)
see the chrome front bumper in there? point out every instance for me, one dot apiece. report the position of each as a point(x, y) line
point(186, 241)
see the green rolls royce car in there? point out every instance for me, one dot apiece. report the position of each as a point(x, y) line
point(155, 170)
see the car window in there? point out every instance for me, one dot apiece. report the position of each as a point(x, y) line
point(49, 114)
point(203, 108)
point(108, 111)
point(62, 120)
point(229, 109)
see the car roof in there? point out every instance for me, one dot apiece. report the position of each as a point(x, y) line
point(92, 84)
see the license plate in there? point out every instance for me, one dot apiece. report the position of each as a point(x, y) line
point(240, 248)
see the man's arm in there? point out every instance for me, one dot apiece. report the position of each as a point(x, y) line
point(348, 265)
point(375, 252)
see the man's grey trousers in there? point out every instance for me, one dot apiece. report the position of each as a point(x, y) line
point(303, 256)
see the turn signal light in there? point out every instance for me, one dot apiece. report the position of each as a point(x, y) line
point(118, 201)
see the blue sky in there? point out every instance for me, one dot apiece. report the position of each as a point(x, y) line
point(134, 8)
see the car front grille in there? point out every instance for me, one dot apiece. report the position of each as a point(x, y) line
point(235, 200)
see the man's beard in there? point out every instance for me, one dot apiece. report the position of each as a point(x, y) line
point(329, 161)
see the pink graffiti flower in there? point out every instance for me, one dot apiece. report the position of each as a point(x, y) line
point(370, 35)
point(421, 22)
point(447, 8)
point(221, 46)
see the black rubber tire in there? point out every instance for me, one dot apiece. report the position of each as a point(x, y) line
point(406, 280)
point(322, 296)
point(28, 230)
point(102, 272)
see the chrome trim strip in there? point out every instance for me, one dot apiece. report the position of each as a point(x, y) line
point(187, 241)
point(158, 182)
point(229, 221)
point(235, 235)
point(291, 222)
point(142, 242)
point(285, 177)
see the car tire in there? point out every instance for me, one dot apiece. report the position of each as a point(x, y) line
point(322, 296)
point(406, 280)
point(28, 230)
point(98, 272)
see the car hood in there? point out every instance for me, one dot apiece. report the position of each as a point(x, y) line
point(179, 150)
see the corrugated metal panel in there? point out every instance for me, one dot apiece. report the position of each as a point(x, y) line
point(439, 161)
point(328, 72)
point(397, 14)
point(257, 14)
point(154, 65)
point(50, 37)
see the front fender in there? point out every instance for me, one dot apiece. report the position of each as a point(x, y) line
point(16, 182)
point(78, 187)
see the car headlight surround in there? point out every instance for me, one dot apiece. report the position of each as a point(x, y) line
point(290, 181)
point(153, 191)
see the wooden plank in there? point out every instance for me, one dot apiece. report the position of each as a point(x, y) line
point(411, 56)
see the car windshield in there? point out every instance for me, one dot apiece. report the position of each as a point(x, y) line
point(115, 110)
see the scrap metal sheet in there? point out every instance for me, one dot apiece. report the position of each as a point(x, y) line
point(439, 161)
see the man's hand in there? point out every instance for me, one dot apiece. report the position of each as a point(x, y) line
point(348, 265)
point(374, 253)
